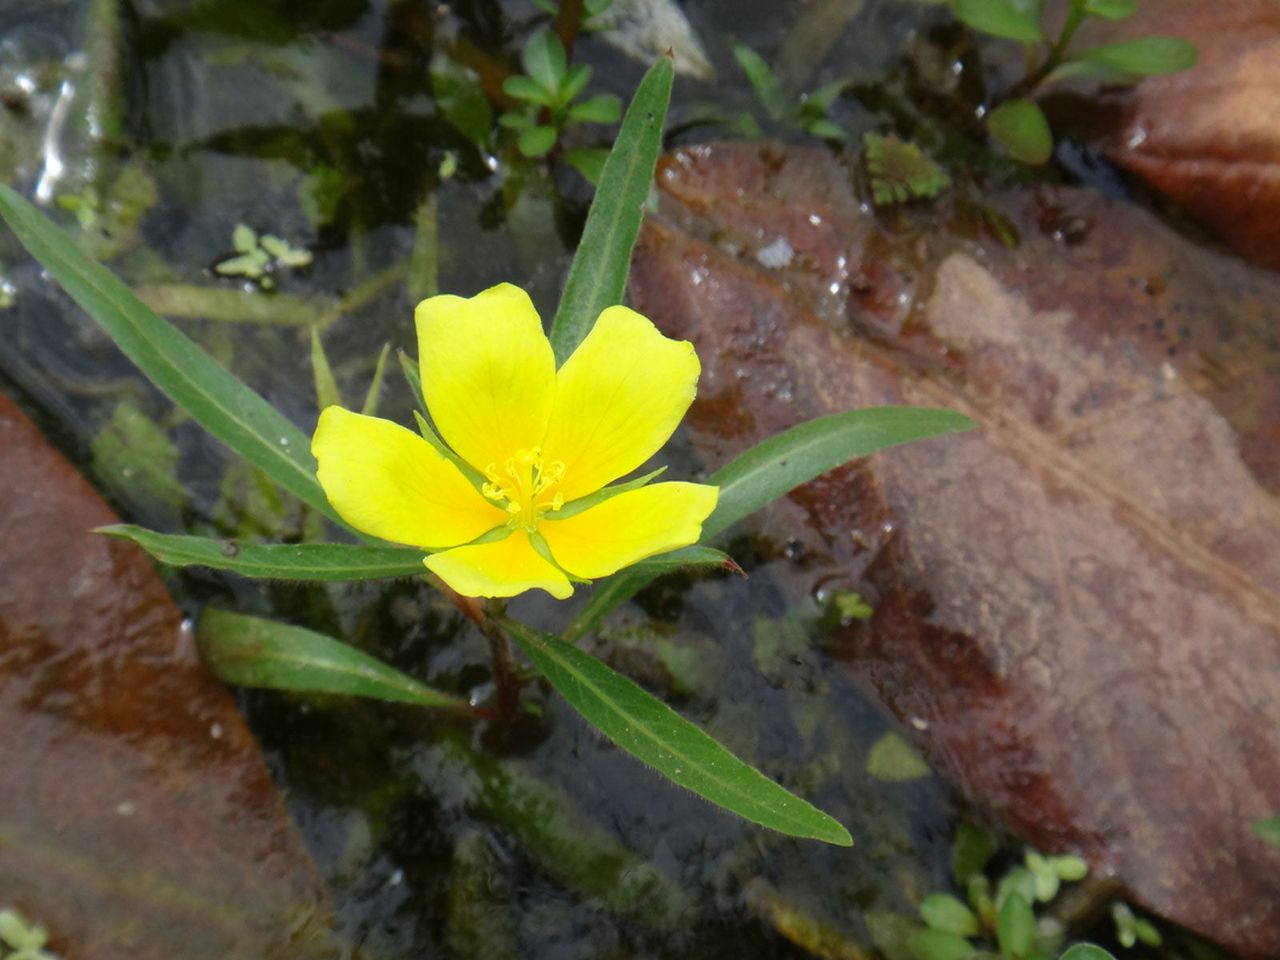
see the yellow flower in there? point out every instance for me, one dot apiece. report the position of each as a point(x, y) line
point(536, 439)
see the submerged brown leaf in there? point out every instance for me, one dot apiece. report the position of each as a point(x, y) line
point(1076, 606)
point(1209, 138)
point(137, 819)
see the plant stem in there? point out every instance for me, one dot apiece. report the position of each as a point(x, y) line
point(506, 671)
point(568, 20)
point(1075, 16)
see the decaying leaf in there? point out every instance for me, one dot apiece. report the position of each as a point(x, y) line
point(137, 819)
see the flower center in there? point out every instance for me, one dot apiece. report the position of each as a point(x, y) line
point(524, 487)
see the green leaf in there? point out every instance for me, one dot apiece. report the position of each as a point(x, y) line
point(1086, 951)
point(900, 171)
point(763, 81)
point(252, 265)
point(1268, 829)
point(327, 394)
point(253, 652)
point(820, 99)
point(1146, 56)
point(775, 467)
point(429, 434)
point(1147, 933)
point(1069, 868)
point(575, 81)
point(1018, 882)
point(1011, 19)
point(941, 911)
point(605, 108)
point(687, 558)
point(544, 59)
point(1126, 924)
point(1089, 70)
point(575, 507)
point(971, 850)
point(515, 121)
point(134, 456)
point(537, 141)
point(655, 734)
point(276, 561)
point(1111, 9)
point(778, 465)
point(827, 129)
point(197, 383)
point(939, 945)
point(370, 406)
point(1046, 878)
point(1021, 127)
point(598, 276)
point(243, 239)
point(462, 101)
point(521, 87)
point(588, 161)
point(1016, 927)
point(892, 760)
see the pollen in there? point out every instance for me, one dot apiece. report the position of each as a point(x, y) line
point(525, 487)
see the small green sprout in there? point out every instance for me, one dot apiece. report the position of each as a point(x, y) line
point(899, 171)
point(1131, 929)
point(84, 205)
point(808, 114)
point(1018, 123)
point(892, 759)
point(549, 89)
point(257, 256)
point(21, 939)
point(993, 921)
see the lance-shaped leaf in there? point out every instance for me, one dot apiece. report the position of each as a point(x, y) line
point(599, 272)
point(276, 561)
point(1011, 19)
point(777, 466)
point(654, 733)
point(694, 557)
point(253, 652)
point(192, 379)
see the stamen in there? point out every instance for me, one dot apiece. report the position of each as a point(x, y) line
point(521, 490)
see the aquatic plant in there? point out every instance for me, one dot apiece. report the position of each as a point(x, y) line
point(21, 939)
point(496, 425)
point(518, 491)
point(549, 88)
point(808, 113)
point(256, 257)
point(900, 171)
point(1016, 120)
point(1000, 919)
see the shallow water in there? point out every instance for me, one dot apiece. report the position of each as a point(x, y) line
point(315, 122)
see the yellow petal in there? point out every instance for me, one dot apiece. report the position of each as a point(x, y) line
point(387, 481)
point(501, 569)
point(618, 398)
point(488, 373)
point(629, 527)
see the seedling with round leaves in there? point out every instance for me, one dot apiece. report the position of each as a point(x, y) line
point(1017, 123)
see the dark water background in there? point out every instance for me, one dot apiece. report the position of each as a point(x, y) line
point(317, 122)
